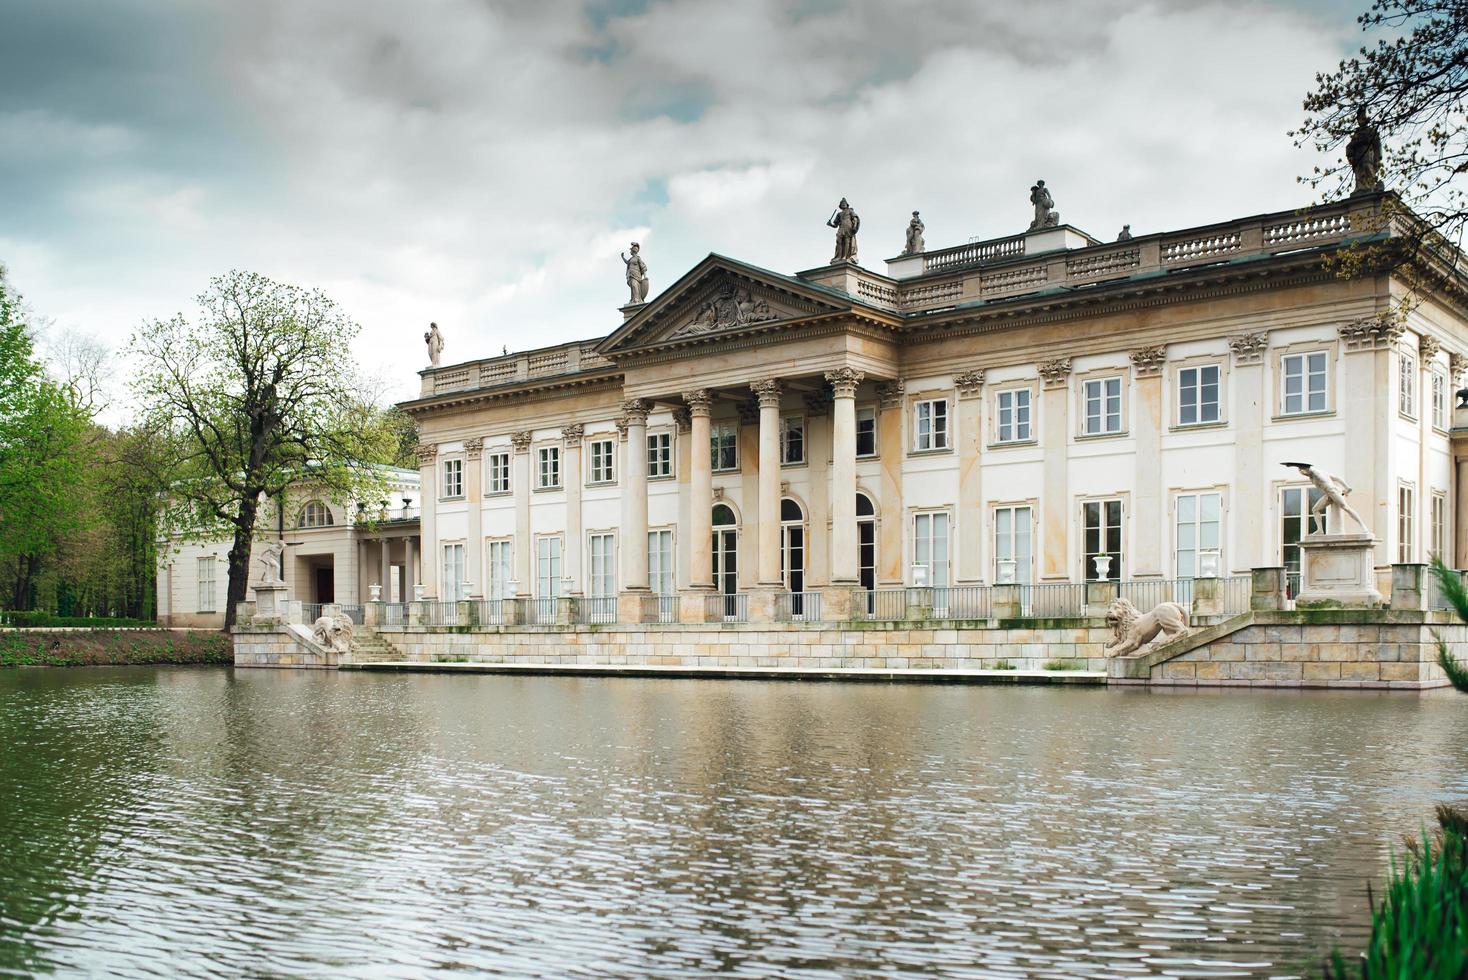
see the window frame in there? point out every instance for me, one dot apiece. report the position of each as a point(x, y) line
point(875, 415)
point(1406, 522)
point(1023, 575)
point(1280, 358)
point(1119, 555)
point(1198, 523)
point(310, 507)
point(495, 587)
point(1199, 365)
point(717, 430)
point(665, 454)
point(542, 454)
point(1407, 395)
point(443, 565)
point(1103, 377)
point(932, 514)
point(606, 576)
point(457, 464)
point(1438, 524)
point(659, 570)
point(207, 586)
point(804, 440)
point(1441, 413)
point(560, 564)
point(997, 430)
point(490, 466)
point(609, 477)
point(934, 430)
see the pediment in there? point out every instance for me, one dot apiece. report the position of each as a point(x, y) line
point(720, 297)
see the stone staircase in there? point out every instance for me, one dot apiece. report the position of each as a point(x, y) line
point(368, 647)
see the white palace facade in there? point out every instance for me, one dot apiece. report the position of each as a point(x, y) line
point(1005, 411)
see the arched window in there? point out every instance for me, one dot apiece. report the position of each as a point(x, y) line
point(724, 515)
point(316, 514)
point(864, 506)
point(790, 511)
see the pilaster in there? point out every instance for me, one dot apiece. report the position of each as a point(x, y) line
point(970, 560)
point(1147, 368)
point(428, 524)
point(634, 523)
point(1055, 498)
point(524, 544)
point(474, 506)
point(891, 398)
point(1253, 532)
point(573, 584)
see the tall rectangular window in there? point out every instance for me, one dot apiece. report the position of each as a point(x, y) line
point(792, 439)
point(453, 573)
point(603, 451)
point(659, 455)
point(1406, 504)
point(930, 421)
point(866, 431)
point(1407, 384)
point(1295, 523)
point(550, 467)
point(660, 561)
point(724, 446)
point(206, 584)
point(1304, 383)
point(1013, 422)
point(1439, 400)
point(1103, 539)
point(1199, 522)
point(1013, 551)
point(500, 575)
point(548, 567)
point(1439, 526)
point(499, 472)
point(1102, 406)
point(1197, 394)
point(453, 478)
point(603, 565)
point(930, 546)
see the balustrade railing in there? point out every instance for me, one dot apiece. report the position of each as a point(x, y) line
point(395, 614)
point(353, 613)
point(726, 607)
point(1053, 601)
point(597, 609)
point(798, 607)
point(491, 612)
point(436, 613)
point(1147, 594)
point(660, 609)
point(310, 612)
point(539, 611)
point(880, 604)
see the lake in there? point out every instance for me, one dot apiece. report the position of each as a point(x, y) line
point(198, 821)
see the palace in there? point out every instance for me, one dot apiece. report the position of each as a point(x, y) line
point(1037, 409)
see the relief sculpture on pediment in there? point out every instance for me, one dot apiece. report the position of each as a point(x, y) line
point(730, 307)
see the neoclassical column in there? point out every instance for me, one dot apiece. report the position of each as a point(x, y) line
point(428, 493)
point(970, 562)
point(891, 397)
point(571, 480)
point(524, 544)
point(1253, 531)
point(384, 546)
point(767, 560)
point(700, 490)
point(1427, 350)
point(410, 573)
point(474, 504)
point(1147, 537)
point(843, 383)
point(1055, 497)
point(634, 498)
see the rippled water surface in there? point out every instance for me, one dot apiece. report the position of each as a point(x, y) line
point(199, 821)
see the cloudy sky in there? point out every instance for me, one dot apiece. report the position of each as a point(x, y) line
point(481, 162)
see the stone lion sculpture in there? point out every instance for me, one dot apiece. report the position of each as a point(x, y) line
point(1133, 631)
point(334, 633)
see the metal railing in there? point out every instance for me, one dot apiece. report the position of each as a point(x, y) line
point(597, 609)
point(352, 612)
point(660, 609)
point(491, 612)
point(1147, 594)
point(311, 611)
point(726, 607)
point(540, 611)
point(798, 607)
point(436, 613)
point(1236, 592)
point(395, 614)
point(879, 604)
point(1055, 601)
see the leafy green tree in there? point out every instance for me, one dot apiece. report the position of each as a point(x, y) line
point(259, 392)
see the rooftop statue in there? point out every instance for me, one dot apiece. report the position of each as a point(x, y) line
point(1126, 234)
point(844, 219)
point(1045, 214)
point(636, 275)
point(915, 229)
point(434, 340)
point(1333, 492)
point(1363, 153)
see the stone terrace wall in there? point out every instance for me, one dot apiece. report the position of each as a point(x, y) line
point(1077, 643)
point(277, 646)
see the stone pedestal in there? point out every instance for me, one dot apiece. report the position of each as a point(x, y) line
point(567, 610)
point(838, 603)
point(1338, 570)
point(1099, 596)
point(1267, 588)
point(919, 604)
point(762, 605)
point(1007, 603)
point(629, 603)
point(271, 602)
point(1207, 597)
point(1409, 587)
point(693, 605)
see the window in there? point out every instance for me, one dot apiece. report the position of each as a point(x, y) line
point(1197, 395)
point(315, 514)
point(1295, 523)
point(931, 421)
point(453, 478)
point(1103, 540)
point(1304, 383)
point(1407, 384)
point(499, 472)
point(866, 545)
point(659, 455)
point(548, 567)
point(603, 568)
point(500, 575)
point(454, 586)
point(1439, 525)
point(1014, 415)
point(866, 431)
point(724, 446)
point(1012, 547)
point(1102, 397)
point(1198, 522)
point(1406, 502)
point(660, 562)
point(206, 584)
point(930, 547)
point(550, 467)
point(602, 468)
point(1439, 400)
point(792, 439)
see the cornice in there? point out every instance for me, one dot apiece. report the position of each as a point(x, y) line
point(429, 404)
point(820, 325)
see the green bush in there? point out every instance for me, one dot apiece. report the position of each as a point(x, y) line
point(1064, 665)
point(43, 620)
point(1004, 665)
point(37, 648)
point(1451, 585)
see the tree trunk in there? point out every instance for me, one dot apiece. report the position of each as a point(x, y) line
point(239, 557)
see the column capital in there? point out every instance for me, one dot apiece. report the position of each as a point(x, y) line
point(1428, 346)
point(683, 419)
point(1055, 373)
point(890, 393)
point(1457, 364)
point(1377, 332)
point(636, 410)
point(1147, 362)
point(572, 434)
point(843, 381)
point(621, 422)
point(473, 448)
point(426, 453)
point(768, 391)
point(1249, 348)
point(969, 383)
point(699, 401)
point(521, 441)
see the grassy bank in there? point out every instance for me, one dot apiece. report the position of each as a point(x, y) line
point(79, 648)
